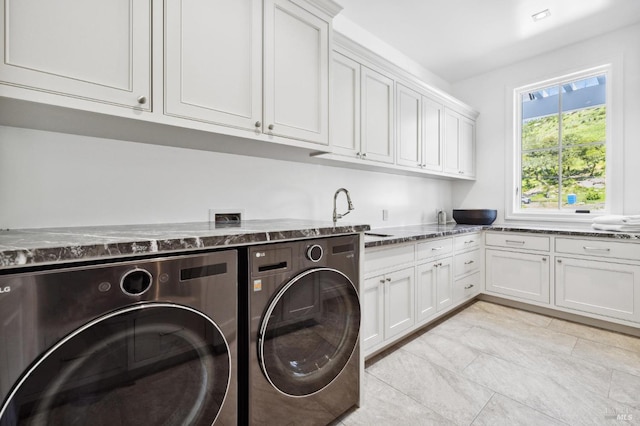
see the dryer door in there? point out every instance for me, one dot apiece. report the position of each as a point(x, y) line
point(309, 331)
point(150, 364)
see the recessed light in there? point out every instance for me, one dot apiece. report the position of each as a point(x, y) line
point(541, 15)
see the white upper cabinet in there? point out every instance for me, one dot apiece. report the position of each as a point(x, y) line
point(219, 53)
point(419, 123)
point(213, 61)
point(95, 50)
point(432, 118)
point(345, 106)
point(296, 72)
point(409, 124)
point(377, 119)
point(362, 119)
point(459, 144)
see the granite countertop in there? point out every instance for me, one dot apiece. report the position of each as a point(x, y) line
point(45, 246)
point(404, 234)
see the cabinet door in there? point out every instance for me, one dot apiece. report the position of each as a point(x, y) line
point(296, 72)
point(345, 106)
point(213, 66)
point(432, 118)
point(467, 147)
point(426, 282)
point(451, 141)
point(376, 107)
point(97, 50)
point(521, 275)
point(409, 140)
point(604, 288)
point(373, 312)
point(444, 290)
point(399, 301)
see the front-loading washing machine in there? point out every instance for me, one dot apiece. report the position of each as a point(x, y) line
point(304, 322)
point(139, 342)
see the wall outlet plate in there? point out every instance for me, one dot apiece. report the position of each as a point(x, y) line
point(226, 217)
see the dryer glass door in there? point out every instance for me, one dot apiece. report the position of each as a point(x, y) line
point(309, 331)
point(150, 364)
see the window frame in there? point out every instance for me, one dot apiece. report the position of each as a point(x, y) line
point(613, 146)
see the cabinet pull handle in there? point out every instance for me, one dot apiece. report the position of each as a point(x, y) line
point(258, 124)
point(142, 100)
point(460, 172)
point(467, 287)
point(514, 242)
point(436, 248)
point(270, 127)
point(382, 281)
point(587, 248)
point(469, 241)
point(559, 261)
point(544, 259)
point(388, 279)
point(364, 155)
point(468, 262)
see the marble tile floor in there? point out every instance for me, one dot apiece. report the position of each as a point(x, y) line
point(494, 365)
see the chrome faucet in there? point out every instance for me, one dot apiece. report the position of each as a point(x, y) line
point(336, 215)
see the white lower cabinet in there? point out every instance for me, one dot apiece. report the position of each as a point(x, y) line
point(408, 285)
point(372, 300)
point(388, 302)
point(433, 288)
point(599, 287)
point(521, 275)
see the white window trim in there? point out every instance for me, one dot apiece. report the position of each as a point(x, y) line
point(614, 147)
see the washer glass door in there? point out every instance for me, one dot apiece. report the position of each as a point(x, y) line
point(150, 364)
point(309, 331)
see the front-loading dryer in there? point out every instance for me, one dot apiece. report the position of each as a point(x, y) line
point(304, 322)
point(140, 342)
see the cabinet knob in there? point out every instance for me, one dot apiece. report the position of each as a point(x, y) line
point(364, 155)
point(544, 259)
point(270, 127)
point(559, 261)
point(382, 281)
point(461, 172)
point(258, 124)
point(142, 100)
point(388, 279)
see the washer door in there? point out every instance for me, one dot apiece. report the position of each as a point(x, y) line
point(153, 364)
point(309, 331)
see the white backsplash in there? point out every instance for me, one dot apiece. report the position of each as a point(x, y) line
point(53, 179)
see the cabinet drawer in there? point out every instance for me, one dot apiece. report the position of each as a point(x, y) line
point(599, 248)
point(466, 287)
point(466, 242)
point(434, 248)
point(465, 263)
point(517, 241)
point(377, 259)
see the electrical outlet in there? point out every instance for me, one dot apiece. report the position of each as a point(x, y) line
point(385, 214)
point(227, 217)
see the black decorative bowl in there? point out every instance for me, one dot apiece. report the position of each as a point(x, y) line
point(475, 216)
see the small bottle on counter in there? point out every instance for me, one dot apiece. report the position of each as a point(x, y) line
point(442, 217)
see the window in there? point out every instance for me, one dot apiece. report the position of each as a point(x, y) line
point(561, 145)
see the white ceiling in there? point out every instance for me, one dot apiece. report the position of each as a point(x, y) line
point(457, 39)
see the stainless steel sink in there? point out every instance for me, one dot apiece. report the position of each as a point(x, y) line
point(375, 234)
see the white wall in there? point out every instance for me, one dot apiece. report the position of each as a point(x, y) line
point(490, 94)
point(54, 179)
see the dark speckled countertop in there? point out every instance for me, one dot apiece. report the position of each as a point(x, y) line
point(34, 247)
point(405, 234)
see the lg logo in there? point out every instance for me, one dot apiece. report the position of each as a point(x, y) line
point(7, 289)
